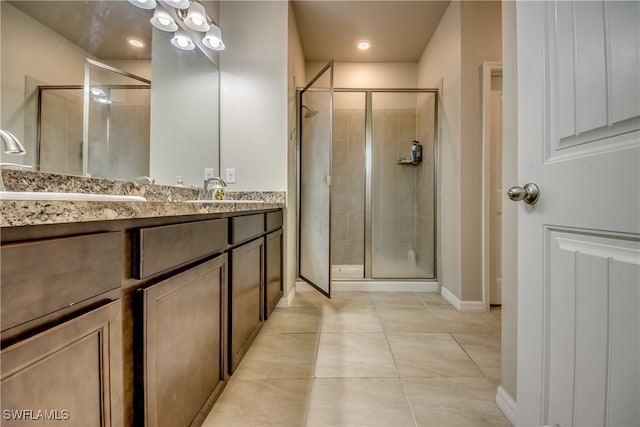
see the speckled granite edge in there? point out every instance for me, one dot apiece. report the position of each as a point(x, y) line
point(14, 213)
point(20, 180)
point(161, 200)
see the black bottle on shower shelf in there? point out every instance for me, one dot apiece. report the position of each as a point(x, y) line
point(416, 152)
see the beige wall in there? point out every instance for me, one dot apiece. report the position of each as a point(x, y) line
point(468, 35)
point(368, 74)
point(296, 78)
point(440, 67)
point(509, 209)
point(481, 41)
point(253, 94)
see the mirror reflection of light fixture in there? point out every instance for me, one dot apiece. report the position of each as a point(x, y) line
point(163, 21)
point(101, 100)
point(178, 4)
point(213, 38)
point(144, 4)
point(196, 18)
point(181, 40)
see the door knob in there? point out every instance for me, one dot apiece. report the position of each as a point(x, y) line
point(529, 194)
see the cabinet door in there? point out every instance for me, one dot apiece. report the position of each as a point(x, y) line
point(70, 374)
point(273, 272)
point(184, 347)
point(247, 280)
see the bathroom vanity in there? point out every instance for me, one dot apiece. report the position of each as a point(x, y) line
point(133, 317)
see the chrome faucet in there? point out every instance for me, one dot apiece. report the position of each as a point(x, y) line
point(145, 180)
point(204, 193)
point(11, 145)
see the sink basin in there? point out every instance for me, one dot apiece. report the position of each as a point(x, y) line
point(32, 195)
point(224, 201)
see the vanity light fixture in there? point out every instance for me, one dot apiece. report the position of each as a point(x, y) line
point(163, 21)
point(194, 16)
point(181, 40)
point(213, 38)
point(179, 4)
point(144, 4)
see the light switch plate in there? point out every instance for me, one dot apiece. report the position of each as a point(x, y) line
point(208, 173)
point(230, 175)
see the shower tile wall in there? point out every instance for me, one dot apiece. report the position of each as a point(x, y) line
point(348, 187)
point(61, 132)
point(394, 192)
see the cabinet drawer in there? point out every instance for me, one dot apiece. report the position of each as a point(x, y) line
point(274, 220)
point(169, 246)
point(246, 227)
point(41, 277)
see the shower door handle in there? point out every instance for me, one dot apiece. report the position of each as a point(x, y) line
point(328, 180)
point(530, 193)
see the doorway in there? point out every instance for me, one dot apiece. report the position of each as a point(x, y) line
point(491, 73)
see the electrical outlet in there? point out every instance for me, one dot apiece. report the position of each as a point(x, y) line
point(231, 175)
point(208, 173)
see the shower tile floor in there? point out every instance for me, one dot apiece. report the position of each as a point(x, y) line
point(367, 359)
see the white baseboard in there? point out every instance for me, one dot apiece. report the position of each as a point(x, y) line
point(287, 300)
point(507, 405)
point(466, 306)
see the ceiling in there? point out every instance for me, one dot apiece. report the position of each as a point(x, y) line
point(329, 29)
point(397, 30)
point(98, 27)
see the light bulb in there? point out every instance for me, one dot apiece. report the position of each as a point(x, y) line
point(213, 38)
point(163, 21)
point(144, 4)
point(181, 40)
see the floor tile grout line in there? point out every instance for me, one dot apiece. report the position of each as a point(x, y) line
point(469, 355)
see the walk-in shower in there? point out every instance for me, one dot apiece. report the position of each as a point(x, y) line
point(380, 218)
point(99, 129)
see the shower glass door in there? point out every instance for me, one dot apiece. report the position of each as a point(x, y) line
point(402, 201)
point(316, 117)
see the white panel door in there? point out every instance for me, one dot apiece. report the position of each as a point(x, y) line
point(579, 246)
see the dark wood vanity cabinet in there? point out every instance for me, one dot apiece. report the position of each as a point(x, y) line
point(132, 322)
point(273, 271)
point(245, 298)
point(185, 327)
point(70, 374)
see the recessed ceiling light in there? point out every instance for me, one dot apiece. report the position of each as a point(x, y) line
point(363, 45)
point(135, 42)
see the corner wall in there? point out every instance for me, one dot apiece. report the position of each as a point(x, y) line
point(481, 29)
point(468, 35)
point(440, 66)
point(296, 78)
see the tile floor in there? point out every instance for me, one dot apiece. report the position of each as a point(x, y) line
point(367, 359)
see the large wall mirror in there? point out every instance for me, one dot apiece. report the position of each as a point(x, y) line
point(157, 113)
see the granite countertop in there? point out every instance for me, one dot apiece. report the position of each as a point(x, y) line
point(161, 200)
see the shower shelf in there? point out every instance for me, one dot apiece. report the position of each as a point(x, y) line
point(408, 162)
